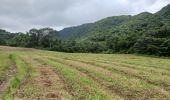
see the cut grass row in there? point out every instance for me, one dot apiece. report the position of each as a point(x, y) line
point(5, 64)
point(151, 75)
point(20, 75)
point(79, 84)
point(125, 86)
point(87, 76)
point(42, 84)
point(144, 61)
point(153, 78)
point(138, 67)
point(150, 70)
point(156, 78)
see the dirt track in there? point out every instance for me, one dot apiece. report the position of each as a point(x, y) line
point(47, 86)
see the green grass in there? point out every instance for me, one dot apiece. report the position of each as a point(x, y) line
point(139, 78)
point(34, 84)
point(80, 86)
point(128, 85)
point(85, 76)
point(5, 64)
point(20, 75)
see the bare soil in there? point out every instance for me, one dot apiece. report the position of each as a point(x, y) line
point(47, 85)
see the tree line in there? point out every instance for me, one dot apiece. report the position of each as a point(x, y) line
point(156, 42)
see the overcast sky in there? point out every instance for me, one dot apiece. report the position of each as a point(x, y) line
point(22, 15)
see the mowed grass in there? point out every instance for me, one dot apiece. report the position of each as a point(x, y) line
point(20, 75)
point(83, 76)
point(5, 64)
point(79, 85)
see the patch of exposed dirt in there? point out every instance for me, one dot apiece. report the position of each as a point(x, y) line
point(46, 86)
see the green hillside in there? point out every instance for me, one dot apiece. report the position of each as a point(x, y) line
point(144, 33)
point(141, 23)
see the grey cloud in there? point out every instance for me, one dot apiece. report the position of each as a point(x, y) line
point(21, 15)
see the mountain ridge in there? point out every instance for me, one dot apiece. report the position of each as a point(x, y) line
point(144, 33)
point(77, 32)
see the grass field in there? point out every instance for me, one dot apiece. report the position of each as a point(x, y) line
point(30, 74)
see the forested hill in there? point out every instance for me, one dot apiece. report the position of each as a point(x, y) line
point(141, 23)
point(145, 33)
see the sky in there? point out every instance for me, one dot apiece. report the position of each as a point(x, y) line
point(23, 15)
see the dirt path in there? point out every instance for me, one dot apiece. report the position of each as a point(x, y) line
point(4, 85)
point(46, 86)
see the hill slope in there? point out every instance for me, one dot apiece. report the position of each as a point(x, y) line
point(140, 23)
point(144, 33)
